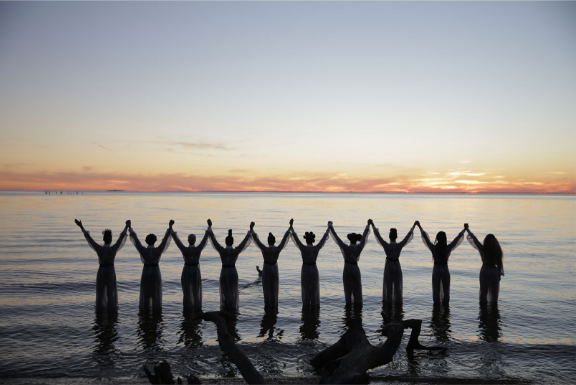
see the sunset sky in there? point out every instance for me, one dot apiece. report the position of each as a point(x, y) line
point(288, 96)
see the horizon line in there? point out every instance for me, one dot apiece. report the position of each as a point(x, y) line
point(315, 192)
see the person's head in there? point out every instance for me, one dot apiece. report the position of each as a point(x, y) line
point(229, 239)
point(393, 234)
point(492, 250)
point(441, 238)
point(191, 239)
point(353, 238)
point(150, 239)
point(310, 237)
point(271, 239)
point(107, 236)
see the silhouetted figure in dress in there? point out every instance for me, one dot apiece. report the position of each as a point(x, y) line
point(492, 265)
point(351, 276)
point(392, 285)
point(191, 278)
point(440, 253)
point(310, 282)
point(106, 290)
point(270, 279)
point(229, 298)
point(151, 281)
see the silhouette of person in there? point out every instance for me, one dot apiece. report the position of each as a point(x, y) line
point(191, 278)
point(106, 290)
point(492, 265)
point(351, 276)
point(229, 298)
point(440, 253)
point(151, 281)
point(392, 284)
point(270, 279)
point(310, 282)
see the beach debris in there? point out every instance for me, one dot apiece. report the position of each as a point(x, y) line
point(347, 361)
point(162, 374)
point(237, 356)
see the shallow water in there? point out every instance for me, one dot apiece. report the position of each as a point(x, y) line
point(48, 327)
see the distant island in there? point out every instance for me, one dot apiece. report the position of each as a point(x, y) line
point(115, 190)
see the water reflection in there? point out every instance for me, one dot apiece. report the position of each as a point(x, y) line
point(267, 326)
point(352, 314)
point(440, 322)
point(106, 334)
point(392, 313)
point(150, 327)
point(190, 332)
point(489, 323)
point(310, 322)
point(231, 324)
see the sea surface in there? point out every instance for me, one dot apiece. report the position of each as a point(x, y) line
point(49, 329)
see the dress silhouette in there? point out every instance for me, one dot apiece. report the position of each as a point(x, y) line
point(106, 290)
point(492, 267)
point(229, 298)
point(310, 282)
point(270, 279)
point(440, 273)
point(151, 281)
point(191, 278)
point(351, 276)
point(392, 285)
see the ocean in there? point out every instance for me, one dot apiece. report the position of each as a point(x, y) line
point(49, 331)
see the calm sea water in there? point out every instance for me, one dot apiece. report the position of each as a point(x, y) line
point(49, 329)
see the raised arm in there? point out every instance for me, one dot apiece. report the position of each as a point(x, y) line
point(165, 241)
point(335, 236)
point(121, 239)
point(379, 238)
point(177, 241)
point(457, 241)
point(425, 237)
point(296, 240)
point(89, 239)
point(323, 240)
point(473, 240)
point(408, 237)
point(284, 241)
point(245, 242)
point(135, 241)
point(203, 242)
point(256, 239)
point(365, 235)
point(214, 242)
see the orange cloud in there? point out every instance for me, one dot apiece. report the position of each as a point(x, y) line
point(320, 182)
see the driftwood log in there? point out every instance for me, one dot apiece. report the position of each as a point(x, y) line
point(237, 356)
point(348, 360)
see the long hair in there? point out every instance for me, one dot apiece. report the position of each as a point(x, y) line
point(441, 243)
point(492, 252)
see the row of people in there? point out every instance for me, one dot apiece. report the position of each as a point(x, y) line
point(151, 281)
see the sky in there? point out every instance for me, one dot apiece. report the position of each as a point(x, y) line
point(288, 96)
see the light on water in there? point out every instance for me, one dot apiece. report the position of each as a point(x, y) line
point(49, 329)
